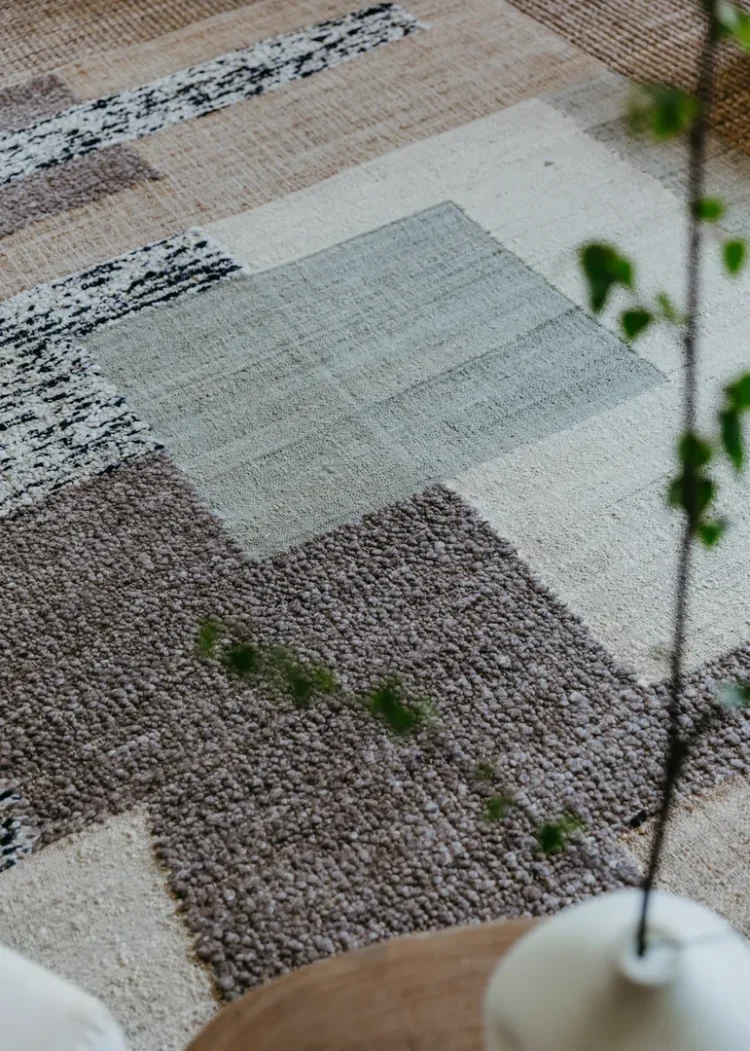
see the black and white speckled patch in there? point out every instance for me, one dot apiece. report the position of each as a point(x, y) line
point(199, 89)
point(17, 834)
point(59, 420)
point(75, 305)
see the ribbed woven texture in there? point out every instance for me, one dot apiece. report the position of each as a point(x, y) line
point(39, 36)
point(652, 40)
point(401, 400)
point(474, 60)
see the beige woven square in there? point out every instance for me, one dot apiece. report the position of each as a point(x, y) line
point(40, 36)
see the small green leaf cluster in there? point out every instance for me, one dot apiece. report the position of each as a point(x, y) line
point(244, 659)
point(302, 681)
point(500, 803)
point(498, 806)
point(286, 673)
point(735, 405)
point(552, 836)
point(485, 771)
point(693, 489)
point(279, 666)
point(708, 209)
point(734, 253)
point(605, 269)
point(209, 635)
point(388, 703)
point(660, 111)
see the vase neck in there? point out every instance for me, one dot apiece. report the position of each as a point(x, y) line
point(657, 966)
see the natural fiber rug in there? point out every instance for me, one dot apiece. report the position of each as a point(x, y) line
point(292, 336)
point(652, 41)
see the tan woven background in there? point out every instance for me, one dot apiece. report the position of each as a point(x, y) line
point(475, 59)
point(652, 40)
point(38, 35)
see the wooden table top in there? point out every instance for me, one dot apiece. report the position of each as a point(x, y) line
point(406, 994)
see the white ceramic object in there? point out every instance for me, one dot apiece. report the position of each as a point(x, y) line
point(576, 983)
point(41, 1012)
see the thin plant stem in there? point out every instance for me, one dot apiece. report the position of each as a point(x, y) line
point(677, 746)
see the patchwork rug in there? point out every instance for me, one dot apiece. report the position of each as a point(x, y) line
point(292, 336)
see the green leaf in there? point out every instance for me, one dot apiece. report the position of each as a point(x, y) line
point(678, 495)
point(734, 695)
point(708, 209)
point(209, 632)
point(498, 807)
point(552, 836)
point(704, 494)
point(731, 436)
point(734, 255)
point(634, 321)
point(484, 772)
point(661, 111)
point(735, 22)
point(668, 310)
point(324, 679)
point(604, 267)
point(299, 679)
point(712, 532)
point(694, 451)
point(736, 401)
point(242, 658)
point(300, 686)
point(738, 392)
point(386, 702)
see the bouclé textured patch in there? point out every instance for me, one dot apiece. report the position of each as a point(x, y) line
point(293, 833)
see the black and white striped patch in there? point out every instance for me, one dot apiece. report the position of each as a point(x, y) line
point(60, 421)
point(75, 305)
point(199, 89)
point(17, 832)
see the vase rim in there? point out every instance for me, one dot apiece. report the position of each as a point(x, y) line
point(659, 964)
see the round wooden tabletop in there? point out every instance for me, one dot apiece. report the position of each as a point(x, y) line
point(407, 994)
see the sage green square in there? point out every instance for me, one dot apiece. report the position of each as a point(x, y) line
point(303, 396)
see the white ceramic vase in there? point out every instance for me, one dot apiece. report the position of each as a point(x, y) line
point(40, 1011)
point(576, 983)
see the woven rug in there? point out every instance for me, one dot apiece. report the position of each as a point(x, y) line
point(653, 41)
point(293, 343)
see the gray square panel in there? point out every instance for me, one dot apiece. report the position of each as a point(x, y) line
point(306, 395)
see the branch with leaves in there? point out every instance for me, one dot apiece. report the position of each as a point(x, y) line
point(664, 113)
